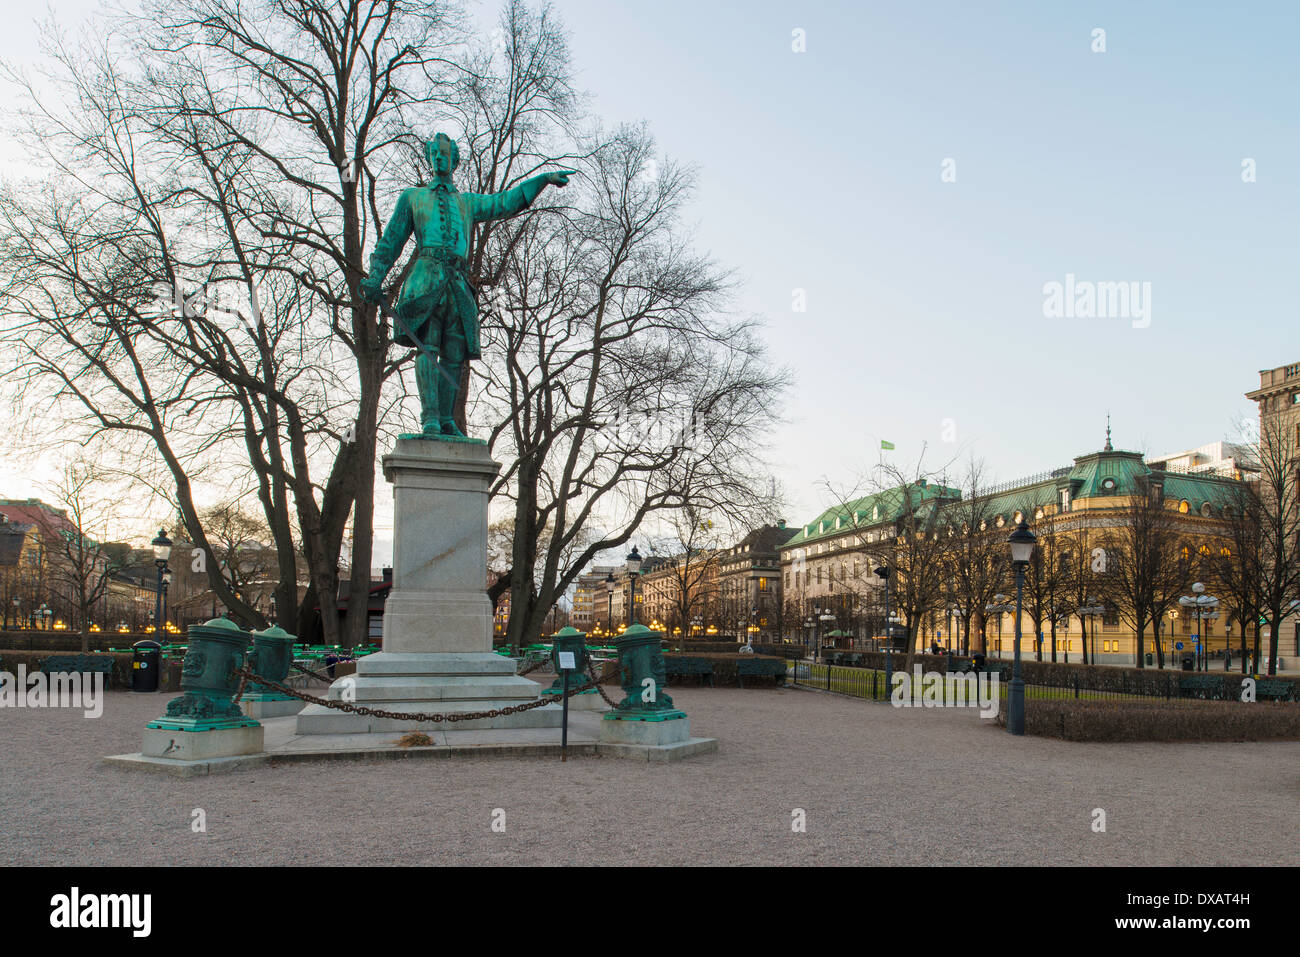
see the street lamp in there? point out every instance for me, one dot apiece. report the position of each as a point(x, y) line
point(162, 549)
point(1091, 608)
point(610, 584)
point(1202, 603)
point(166, 584)
point(883, 572)
point(1022, 550)
point(17, 613)
point(1000, 605)
point(633, 569)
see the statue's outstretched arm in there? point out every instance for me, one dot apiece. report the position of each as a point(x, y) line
point(512, 202)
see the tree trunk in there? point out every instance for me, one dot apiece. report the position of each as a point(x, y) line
point(1243, 646)
point(1274, 628)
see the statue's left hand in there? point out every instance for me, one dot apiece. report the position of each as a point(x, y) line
point(560, 177)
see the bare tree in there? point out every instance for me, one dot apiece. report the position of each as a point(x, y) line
point(1235, 565)
point(615, 388)
point(82, 561)
point(977, 552)
point(1144, 564)
point(1278, 511)
point(1047, 580)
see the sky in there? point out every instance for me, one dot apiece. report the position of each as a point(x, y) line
point(917, 172)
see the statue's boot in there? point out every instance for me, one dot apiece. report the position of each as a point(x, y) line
point(426, 378)
point(448, 386)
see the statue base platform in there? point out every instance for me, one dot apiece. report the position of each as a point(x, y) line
point(269, 705)
point(652, 733)
point(202, 745)
point(445, 683)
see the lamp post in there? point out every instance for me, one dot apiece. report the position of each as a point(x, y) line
point(1022, 550)
point(1202, 603)
point(162, 549)
point(1091, 608)
point(633, 569)
point(1000, 605)
point(610, 584)
point(166, 584)
point(17, 613)
point(883, 572)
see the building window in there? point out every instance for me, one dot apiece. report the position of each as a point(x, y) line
point(762, 584)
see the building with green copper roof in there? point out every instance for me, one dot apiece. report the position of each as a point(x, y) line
point(826, 564)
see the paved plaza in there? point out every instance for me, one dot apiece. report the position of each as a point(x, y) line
point(879, 786)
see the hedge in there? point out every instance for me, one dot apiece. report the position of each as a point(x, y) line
point(1129, 720)
point(169, 678)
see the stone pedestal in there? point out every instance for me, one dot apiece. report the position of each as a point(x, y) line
point(437, 642)
point(672, 731)
point(588, 701)
point(201, 745)
point(269, 705)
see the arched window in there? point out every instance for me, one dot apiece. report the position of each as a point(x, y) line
point(1184, 506)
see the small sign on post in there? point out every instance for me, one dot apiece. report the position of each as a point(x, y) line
point(567, 664)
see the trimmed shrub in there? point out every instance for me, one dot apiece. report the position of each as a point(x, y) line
point(1130, 720)
point(120, 678)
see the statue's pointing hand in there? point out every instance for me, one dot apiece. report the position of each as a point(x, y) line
point(560, 177)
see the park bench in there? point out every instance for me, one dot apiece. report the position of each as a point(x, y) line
point(760, 668)
point(960, 666)
point(1274, 689)
point(853, 660)
point(832, 657)
point(681, 667)
point(1208, 687)
point(69, 664)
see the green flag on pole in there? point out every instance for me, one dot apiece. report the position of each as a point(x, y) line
point(886, 445)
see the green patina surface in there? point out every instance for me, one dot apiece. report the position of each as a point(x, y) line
point(1109, 473)
point(216, 650)
point(641, 657)
point(437, 309)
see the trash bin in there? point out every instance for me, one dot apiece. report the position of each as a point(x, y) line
point(1189, 663)
point(146, 656)
point(1150, 659)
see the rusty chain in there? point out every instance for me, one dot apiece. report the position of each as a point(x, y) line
point(534, 666)
point(591, 670)
point(419, 716)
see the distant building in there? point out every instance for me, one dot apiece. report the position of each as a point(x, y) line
point(1223, 459)
point(827, 566)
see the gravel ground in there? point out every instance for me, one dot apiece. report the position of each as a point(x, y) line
point(879, 786)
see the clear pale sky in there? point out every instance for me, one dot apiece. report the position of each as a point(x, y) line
point(820, 171)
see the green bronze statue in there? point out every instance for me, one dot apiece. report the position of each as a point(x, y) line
point(437, 309)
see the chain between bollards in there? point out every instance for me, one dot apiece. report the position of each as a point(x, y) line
point(418, 716)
